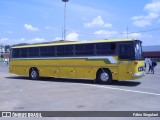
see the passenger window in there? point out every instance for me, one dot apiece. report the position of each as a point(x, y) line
point(105, 48)
point(24, 52)
point(34, 52)
point(16, 53)
point(65, 51)
point(85, 50)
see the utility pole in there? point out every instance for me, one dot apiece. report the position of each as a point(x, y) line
point(64, 33)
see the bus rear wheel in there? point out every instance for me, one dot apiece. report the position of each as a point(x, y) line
point(104, 77)
point(33, 74)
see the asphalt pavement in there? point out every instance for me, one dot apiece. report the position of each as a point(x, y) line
point(18, 93)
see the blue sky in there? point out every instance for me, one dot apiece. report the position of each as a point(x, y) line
point(32, 21)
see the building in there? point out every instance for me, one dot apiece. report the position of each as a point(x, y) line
point(4, 54)
point(152, 52)
point(2, 50)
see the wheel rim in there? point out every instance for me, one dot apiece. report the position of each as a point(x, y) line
point(33, 74)
point(104, 77)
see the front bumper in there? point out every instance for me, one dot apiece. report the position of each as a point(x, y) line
point(138, 75)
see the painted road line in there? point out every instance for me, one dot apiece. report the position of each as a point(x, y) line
point(126, 90)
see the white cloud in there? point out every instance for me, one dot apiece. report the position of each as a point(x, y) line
point(152, 16)
point(58, 38)
point(106, 33)
point(108, 25)
point(153, 13)
point(97, 22)
point(153, 7)
point(3, 39)
point(12, 41)
point(72, 36)
point(142, 23)
point(137, 17)
point(29, 27)
point(135, 35)
point(38, 40)
point(22, 40)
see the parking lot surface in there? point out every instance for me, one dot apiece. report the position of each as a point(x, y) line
point(18, 93)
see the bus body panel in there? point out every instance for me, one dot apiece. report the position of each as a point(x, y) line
point(129, 70)
point(71, 68)
point(125, 70)
point(138, 69)
point(69, 63)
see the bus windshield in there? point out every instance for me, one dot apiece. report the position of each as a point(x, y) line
point(138, 51)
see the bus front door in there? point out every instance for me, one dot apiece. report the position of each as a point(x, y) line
point(125, 70)
point(125, 61)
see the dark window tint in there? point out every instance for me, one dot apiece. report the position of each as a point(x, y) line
point(80, 48)
point(47, 51)
point(84, 49)
point(34, 52)
point(90, 49)
point(126, 51)
point(105, 48)
point(51, 51)
point(113, 46)
point(65, 50)
point(24, 52)
point(16, 53)
point(112, 49)
point(69, 48)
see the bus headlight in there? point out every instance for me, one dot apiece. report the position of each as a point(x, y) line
point(141, 69)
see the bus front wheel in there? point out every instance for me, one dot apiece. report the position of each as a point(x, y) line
point(33, 74)
point(104, 77)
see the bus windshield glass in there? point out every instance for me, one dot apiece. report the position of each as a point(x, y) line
point(138, 51)
point(126, 51)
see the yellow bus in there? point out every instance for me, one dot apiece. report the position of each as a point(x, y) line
point(102, 60)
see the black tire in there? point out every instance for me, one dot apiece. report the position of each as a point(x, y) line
point(33, 74)
point(104, 77)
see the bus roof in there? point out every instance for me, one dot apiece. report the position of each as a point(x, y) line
point(73, 42)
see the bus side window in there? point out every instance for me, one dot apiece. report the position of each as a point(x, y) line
point(43, 51)
point(64, 51)
point(112, 49)
point(101, 48)
point(51, 51)
point(105, 48)
point(69, 50)
point(24, 52)
point(34, 52)
point(80, 50)
point(60, 50)
point(90, 49)
point(16, 53)
point(85, 50)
